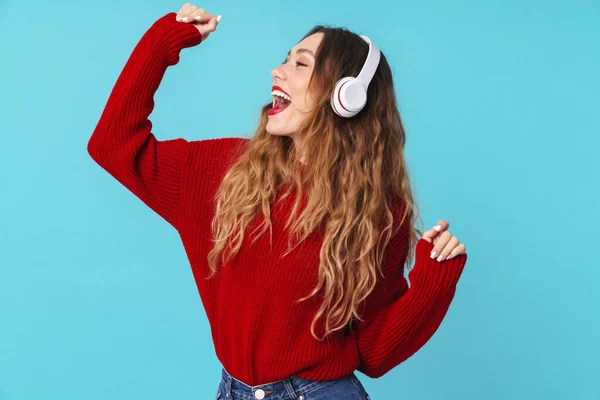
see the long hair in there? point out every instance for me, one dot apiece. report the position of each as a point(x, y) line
point(354, 175)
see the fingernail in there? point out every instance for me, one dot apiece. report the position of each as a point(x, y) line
point(449, 257)
point(433, 254)
point(440, 258)
point(197, 17)
point(437, 228)
point(178, 18)
point(219, 18)
point(185, 19)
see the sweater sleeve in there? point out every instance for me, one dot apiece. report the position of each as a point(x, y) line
point(123, 143)
point(400, 320)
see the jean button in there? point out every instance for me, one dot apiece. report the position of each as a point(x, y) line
point(301, 397)
point(259, 394)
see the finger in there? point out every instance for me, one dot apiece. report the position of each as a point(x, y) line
point(460, 249)
point(444, 238)
point(182, 11)
point(183, 8)
point(214, 22)
point(429, 235)
point(198, 14)
point(186, 14)
point(452, 243)
point(203, 18)
point(210, 26)
point(441, 226)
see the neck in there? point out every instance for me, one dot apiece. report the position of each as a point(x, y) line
point(299, 150)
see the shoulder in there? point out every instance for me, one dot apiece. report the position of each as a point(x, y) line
point(217, 150)
point(209, 160)
point(219, 144)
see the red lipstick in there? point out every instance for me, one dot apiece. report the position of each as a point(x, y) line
point(280, 89)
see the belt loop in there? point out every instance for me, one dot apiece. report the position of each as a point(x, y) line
point(228, 394)
point(290, 388)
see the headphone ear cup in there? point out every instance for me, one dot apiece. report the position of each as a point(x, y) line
point(349, 97)
point(336, 97)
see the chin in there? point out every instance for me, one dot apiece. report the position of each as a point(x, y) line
point(278, 133)
point(282, 124)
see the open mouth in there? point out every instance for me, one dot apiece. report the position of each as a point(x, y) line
point(280, 101)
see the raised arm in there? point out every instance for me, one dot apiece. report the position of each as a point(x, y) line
point(123, 143)
point(400, 320)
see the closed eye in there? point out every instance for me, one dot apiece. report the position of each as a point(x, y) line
point(298, 63)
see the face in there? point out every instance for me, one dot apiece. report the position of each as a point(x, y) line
point(292, 78)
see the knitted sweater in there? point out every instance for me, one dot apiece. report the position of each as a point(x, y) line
point(261, 333)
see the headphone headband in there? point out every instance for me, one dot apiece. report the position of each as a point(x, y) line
point(370, 66)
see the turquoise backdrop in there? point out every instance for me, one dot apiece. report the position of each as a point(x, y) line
point(500, 100)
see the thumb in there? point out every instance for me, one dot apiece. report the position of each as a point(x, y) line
point(429, 235)
point(213, 22)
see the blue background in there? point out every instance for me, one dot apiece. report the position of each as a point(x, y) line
point(500, 102)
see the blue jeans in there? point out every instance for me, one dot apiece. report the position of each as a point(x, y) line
point(293, 388)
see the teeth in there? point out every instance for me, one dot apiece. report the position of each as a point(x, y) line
point(279, 93)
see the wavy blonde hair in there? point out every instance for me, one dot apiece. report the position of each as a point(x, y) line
point(355, 177)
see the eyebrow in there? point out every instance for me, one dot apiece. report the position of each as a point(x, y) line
point(302, 51)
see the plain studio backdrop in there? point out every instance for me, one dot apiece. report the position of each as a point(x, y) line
point(500, 102)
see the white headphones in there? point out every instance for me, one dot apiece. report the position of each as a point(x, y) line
point(350, 94)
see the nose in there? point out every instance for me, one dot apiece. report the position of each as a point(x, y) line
point(278, 73)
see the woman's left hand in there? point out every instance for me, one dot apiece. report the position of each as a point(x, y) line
point(446, 246)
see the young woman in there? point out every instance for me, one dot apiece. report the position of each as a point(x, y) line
point(296, 310)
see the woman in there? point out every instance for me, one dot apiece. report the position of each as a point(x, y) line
point(294, 311)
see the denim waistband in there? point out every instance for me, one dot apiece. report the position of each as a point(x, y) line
point(293, 387)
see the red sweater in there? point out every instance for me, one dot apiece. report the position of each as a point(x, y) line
point(260, 333)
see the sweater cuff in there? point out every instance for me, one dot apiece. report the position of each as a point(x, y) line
point(439, 275)
point(175, 35)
